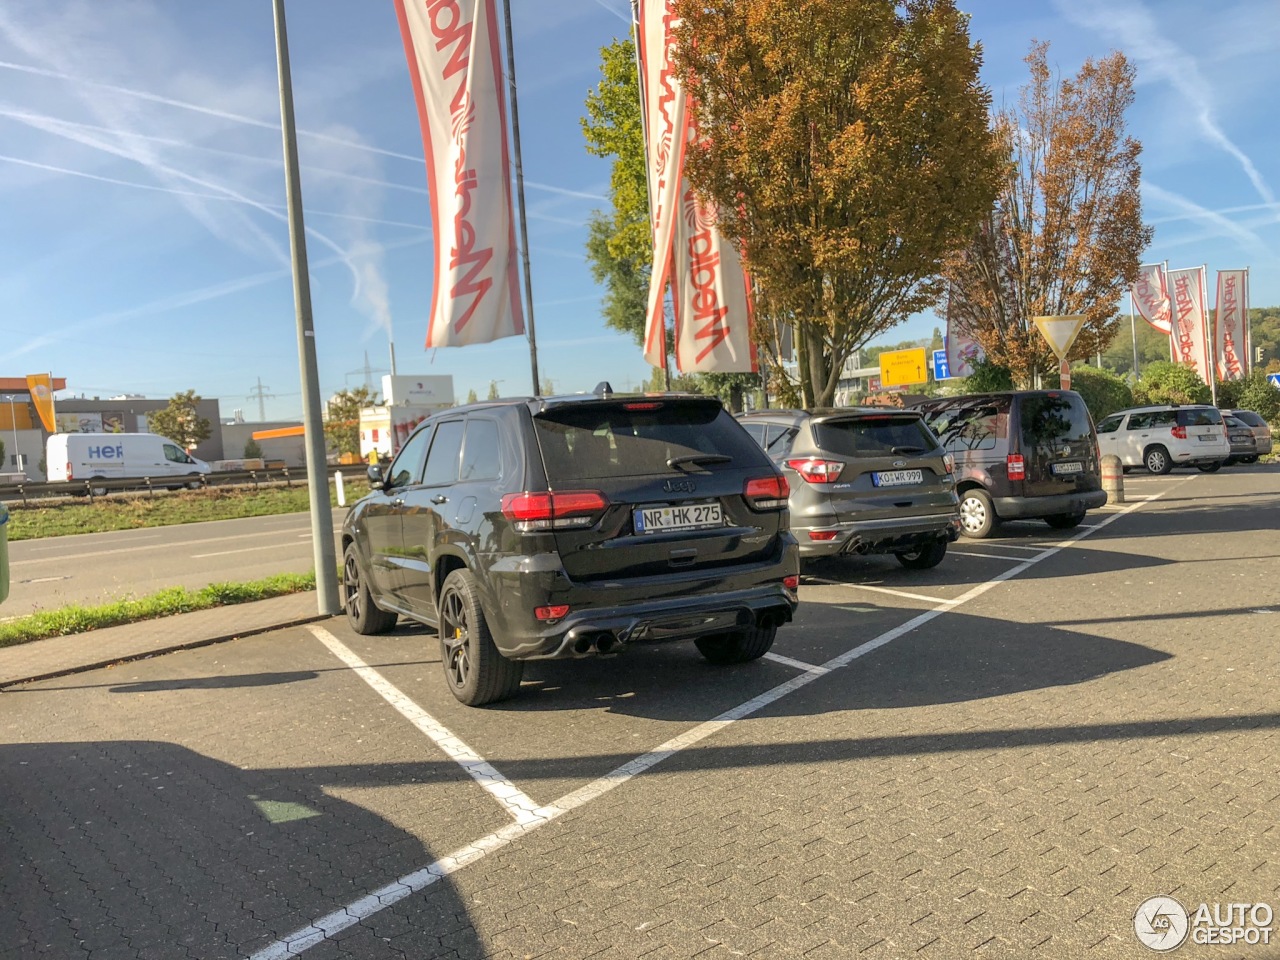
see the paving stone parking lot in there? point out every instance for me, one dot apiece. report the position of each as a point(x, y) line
point(1005, 756)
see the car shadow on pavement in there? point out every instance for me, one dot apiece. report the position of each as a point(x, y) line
point(947, 660)
point(139, 848)
point(216, 683)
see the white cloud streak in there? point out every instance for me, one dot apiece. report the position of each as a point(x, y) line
point(1138, 32)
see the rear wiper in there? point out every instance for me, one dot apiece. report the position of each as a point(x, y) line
point(905, 450)
point(700, 459)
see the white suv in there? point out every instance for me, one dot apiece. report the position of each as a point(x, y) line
point(1162, 437)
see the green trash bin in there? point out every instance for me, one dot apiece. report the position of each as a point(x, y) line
point(4, 553)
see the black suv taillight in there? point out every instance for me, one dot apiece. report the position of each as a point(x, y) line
point(560, 510)
point(767, 493)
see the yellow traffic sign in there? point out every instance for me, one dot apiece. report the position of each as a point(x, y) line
point(901, 367)
point(1060, 332)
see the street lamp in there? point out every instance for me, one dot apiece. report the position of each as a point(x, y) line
point(13, 422)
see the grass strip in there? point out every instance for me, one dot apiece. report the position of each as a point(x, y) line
point(166, 603)
point(110, 514)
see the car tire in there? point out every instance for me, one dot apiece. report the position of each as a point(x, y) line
point(96, 491)
point(977, 515)
point(738, 647)
point(364, 615)
point(475, 672)
point(1248, 459)
point(194, 482)
point(1065, 521)
point(1156, 460)
point(925, 557)
point(1209, 467)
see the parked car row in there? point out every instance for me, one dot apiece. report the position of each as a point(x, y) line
point(1167, 435)
point(540, 528)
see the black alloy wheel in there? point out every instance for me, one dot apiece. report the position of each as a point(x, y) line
point(365, 616)
point(474, 670)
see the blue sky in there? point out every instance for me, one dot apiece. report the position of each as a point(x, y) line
point(143, 246)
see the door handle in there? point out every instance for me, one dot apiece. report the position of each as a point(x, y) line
point(439, 499)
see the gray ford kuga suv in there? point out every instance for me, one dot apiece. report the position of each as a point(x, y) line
point(536, 528)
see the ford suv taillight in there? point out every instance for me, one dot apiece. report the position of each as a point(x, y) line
point(1179, 433)
point(767, 493)
point(1017, 466)
point(949, 463)
point(816, 470)
point(531, 512)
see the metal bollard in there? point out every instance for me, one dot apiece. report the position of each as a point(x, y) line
point(1113, 478)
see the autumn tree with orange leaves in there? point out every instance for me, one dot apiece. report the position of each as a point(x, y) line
point(1066, 235)
point(847, 144)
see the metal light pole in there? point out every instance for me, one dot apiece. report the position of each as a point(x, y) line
point(13, 422)
point(317, 475)
point(524, 229)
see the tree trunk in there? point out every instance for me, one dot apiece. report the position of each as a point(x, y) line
point(802, 364)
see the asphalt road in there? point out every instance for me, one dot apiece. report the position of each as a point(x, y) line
point(101, 567)
point(1005, 756)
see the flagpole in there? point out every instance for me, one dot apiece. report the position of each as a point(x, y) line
point(524, 226)
point(1133, 335)
point(1211, 359)
point(1248, 328)
point(323, 553)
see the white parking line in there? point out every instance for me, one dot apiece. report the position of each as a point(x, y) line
point(992, 556)
point(863, 586)
point(227, 553)
point(798, 664)
point(1017, 546)
point(319, 930)
point(521, 808)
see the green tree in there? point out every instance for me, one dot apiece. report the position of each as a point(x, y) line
point(1253, 392)
point(1167, 382)
point(493, 390)
point(252, 450)
point(548, 387)
point(1066, 236)
point(619, 241)
point(986, 377)
point(342, 425)
point(471, 396)
point(1152, 346)
point(181, 422)
point(1104, 393)
point(847, 147)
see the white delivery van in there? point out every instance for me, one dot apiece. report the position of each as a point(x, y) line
point(115, 456)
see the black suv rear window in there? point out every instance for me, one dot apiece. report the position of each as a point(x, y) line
point(633, 438)
point(873, 436)
point(1047, 418)
point(1198, 417)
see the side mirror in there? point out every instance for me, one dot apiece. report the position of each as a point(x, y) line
point(376, 480)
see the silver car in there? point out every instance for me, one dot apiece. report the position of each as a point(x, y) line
point(863, 480)
point(1261, 434)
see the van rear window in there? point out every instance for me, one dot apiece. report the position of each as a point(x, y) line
point(588, 440)
point(1049, 418)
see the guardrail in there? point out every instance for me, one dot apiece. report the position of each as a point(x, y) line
point(98, 487)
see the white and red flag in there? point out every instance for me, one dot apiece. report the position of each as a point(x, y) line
point(1190, 337)
point(1231, 329)
point(1151, 297)
point(453, 50)
point(710, 288)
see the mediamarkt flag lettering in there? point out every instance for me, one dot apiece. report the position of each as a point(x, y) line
point(1231, 329)
point(1190, 338)
point(1151, 297)
point(710, 289)
point(455, 64)
point(41, 387)
point(712, 296)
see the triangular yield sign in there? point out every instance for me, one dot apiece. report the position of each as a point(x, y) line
point(1061, 332)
